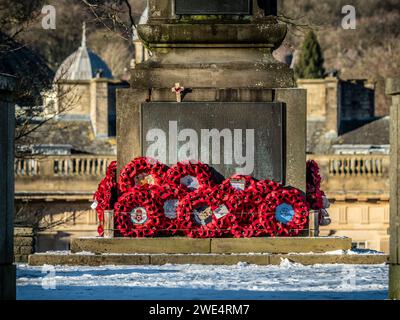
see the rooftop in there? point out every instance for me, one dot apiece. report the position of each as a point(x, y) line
point(83, 64)
point(376, 132)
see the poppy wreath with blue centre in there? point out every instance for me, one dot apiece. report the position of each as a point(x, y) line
point(288, 199)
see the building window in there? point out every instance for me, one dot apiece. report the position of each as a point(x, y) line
point(359, 245)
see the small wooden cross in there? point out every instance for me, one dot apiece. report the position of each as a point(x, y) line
point(178, 91)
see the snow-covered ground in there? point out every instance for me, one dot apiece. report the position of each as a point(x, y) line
point(181, 282)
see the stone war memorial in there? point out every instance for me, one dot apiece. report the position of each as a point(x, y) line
point(211, 140)
point(239, 110)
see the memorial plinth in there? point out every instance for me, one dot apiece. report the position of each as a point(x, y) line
point(179, 245)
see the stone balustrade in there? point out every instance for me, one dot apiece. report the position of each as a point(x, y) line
point(62, 166)
point(59, 177)
point(357, 177)
point(344, 176)
point(357, 166)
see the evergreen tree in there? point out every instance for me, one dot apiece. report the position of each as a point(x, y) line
point(311, 60)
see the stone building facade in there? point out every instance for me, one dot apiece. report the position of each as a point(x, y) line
point(352, 148)
point(55, 184)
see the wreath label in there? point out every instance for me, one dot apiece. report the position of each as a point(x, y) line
point(94, 205)
point(170, 207)
point(203, 215)
point(139, 215)
point(284, 213)
point(238, 184)
point(190, 182)
point(144, 179)
point(221, 211)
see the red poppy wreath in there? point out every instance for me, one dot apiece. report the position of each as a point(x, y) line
point(188, 176)
point(203, 216)
point(141, 171)
point(137, 215)
point(285, 213)
point(106, 195)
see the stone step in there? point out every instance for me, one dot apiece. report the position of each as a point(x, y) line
point(78, 259)
point(179, 245)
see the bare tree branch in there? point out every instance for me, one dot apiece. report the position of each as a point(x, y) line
point(115, 15)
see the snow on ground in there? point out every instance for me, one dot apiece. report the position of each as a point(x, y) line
point(196, 282)
point(335, 252)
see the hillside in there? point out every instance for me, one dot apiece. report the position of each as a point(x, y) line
point(372, 51)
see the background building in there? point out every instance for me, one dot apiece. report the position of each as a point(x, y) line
point(60, 169)
point(352, 147)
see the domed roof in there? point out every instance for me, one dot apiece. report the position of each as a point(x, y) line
point(83, 64)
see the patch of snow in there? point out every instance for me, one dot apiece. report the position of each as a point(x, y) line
point(364, 251)
point(63, 253)
point(335, 252)
point(299, 253)
point(85, 253)
point(341, 252)
point(180, 282)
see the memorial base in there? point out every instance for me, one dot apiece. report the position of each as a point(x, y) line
point(178, 245)
point(159, 251)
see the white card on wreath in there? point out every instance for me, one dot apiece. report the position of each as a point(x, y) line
point(221, 211)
